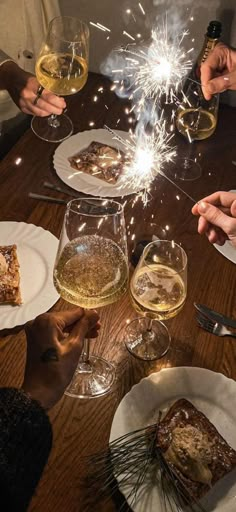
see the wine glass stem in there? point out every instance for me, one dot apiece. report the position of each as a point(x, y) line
point(53, 121)
point(149, 327)
point(85, 352)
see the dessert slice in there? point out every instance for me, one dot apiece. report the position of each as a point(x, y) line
point(9, 275)
point(99, 160)
point(194, 448)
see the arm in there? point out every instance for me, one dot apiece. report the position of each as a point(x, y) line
point(54, 344)
point(218, 72)
point(217, 217)
point(25, 443)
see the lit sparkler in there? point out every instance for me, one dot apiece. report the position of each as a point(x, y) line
point(145, 157)
point(159, 68)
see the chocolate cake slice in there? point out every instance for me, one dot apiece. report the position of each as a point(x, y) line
point(99, 160)
point(9, 275)
point(194, 448)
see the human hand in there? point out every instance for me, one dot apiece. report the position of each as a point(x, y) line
point(22, 87)
point(217, 217)
point(54, 345)
point(218, 72)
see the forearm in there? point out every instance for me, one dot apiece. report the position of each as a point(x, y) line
point(8, 74)
point(25, 444)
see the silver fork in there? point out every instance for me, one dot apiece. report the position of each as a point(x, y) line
point(214, 327)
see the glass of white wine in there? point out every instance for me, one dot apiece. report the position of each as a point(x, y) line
point(62, 68)
point(196, 119)
point(158, 291)
point(91, 270)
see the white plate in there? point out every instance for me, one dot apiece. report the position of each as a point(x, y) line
point(36, 251)
point(212, 393)
point(82, 182)
point(227, 249)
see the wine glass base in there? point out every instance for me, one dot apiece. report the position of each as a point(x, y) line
point(45, 131)
point(185, 169)
point(146, 344)
point(93, 380)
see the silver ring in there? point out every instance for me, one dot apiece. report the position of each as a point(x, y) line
point(39, 92)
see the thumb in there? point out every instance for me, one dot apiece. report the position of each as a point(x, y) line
point(83, 326)
point(215, 216)
point(220, 84)
point(233, 208)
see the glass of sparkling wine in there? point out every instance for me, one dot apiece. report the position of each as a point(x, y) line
point(158, 291)
point(62, 68)
point(91, 270)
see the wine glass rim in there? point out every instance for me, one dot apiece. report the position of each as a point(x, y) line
point(171, 242)
point(119, 211)
point(83, 23)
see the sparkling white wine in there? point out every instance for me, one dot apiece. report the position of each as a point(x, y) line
point(92, 271)
point(157, 291)
point(61, 73)
point(198, 123)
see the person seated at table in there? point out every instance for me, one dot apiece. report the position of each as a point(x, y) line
point(23, 86)
point(218, 72)
point(54, 344)
point(217, 217)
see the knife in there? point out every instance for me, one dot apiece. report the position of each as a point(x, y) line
point(71, 193)
point(215, 316)
point(46, 198)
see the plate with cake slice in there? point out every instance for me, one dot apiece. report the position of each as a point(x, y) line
point(94, 162)
point(27, 255)
point(173, 442)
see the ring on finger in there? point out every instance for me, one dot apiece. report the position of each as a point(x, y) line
point(38, 94)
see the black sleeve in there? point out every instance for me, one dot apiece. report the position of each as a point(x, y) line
point(25, 444)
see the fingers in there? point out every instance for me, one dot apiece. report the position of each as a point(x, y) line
point(223, 200)
point(88, 326)
point(219, 84)
point(67, 318)
point(47, 103)
point(216, 217)
point(216, 62)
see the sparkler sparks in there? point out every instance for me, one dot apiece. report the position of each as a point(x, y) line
point(158, 68)
point(145, 156)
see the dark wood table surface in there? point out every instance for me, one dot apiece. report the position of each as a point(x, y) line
point(82, 427)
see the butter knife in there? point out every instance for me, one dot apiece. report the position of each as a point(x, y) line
point(215, 316)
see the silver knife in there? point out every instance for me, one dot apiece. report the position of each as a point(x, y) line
point(215, 316)
point(71, 193)
point(47, 198)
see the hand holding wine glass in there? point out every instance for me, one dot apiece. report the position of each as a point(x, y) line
point(158, 291)
point(91, 271)
point(62, 69)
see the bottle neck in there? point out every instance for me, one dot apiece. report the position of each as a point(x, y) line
point(208, 45)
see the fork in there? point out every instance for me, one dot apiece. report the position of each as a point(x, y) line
point(214, 327)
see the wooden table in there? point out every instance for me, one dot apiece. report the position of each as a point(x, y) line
point(82, 427)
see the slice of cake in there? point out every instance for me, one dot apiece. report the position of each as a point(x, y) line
point(194, 448)
point(9, 276)
point(99, 160)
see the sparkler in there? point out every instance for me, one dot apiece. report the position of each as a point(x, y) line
point(145, 157)
point(159, 68)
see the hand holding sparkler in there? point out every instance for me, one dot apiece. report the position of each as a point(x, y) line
point(218, 72)
point(217, 217)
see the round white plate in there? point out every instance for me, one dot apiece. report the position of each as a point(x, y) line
point(36, 251)
point(83, 182)
point(227, 249)
point(212, 393)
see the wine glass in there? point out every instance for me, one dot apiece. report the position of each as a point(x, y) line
point(196, 119)
point(158, 291)
point(62, 68)
point(91, 270)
